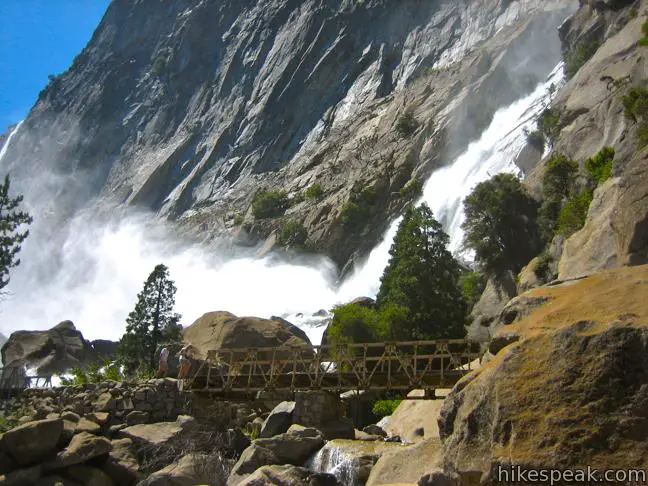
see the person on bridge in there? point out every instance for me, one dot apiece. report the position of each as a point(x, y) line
point(163, 365)
point(185, 364)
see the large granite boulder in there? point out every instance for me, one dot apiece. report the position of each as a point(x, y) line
point(579, 373)
point(288, 476)
point(216, 330)
point(190, 470)
point(33, 441)
point(279, 420)
point(54, 351)
point(293, 447)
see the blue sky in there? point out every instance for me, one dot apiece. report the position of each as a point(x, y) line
point(37, 38)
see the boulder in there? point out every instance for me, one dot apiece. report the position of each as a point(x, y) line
point(487, 309)
point(82, 448)
point(288, 476)
point(191, 470)
point(22, 477)
point(411, 415)
point(339, 428)
point(367, 302)
point(33, 441)
point(155, 434)
point(407, 464)
point(50, 352)
point(374, 430)
point(216, 330)
point(85, 425)
point(578, 373)
point(279, 420)
point(137, 417)
point(98, 417)
point(292, 447)
point(121, 464)
point(55, 480)
point(237, 442)
point(89, 476)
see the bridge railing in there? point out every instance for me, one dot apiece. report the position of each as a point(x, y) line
point(358, 366)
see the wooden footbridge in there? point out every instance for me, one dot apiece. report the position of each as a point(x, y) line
point(395, 366)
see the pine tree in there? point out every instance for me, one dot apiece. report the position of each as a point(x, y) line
point(151, 321)
point(11, 219)
point(421, 282)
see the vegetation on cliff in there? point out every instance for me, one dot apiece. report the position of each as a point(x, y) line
point(501, 224)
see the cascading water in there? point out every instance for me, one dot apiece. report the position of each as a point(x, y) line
point(103, 265)
point(445, 190)
point(332, 459)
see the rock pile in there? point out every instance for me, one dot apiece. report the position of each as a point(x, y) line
point(127, 403)
point(54, 451)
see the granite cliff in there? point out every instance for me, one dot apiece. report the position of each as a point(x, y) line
point(189, 107)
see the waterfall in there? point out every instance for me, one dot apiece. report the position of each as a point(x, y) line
point(332, 459)
point(494, 152)
point(103, 265)
point(8, 141)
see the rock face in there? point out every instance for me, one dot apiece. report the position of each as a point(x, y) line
point(54, 351)
point(592, 116)
point(578, 374)
point(216, 330)
point(192, 114)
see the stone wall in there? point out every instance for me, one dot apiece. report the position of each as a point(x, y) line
point(316, 408)
point(152, 401)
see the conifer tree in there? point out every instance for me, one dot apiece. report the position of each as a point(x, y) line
point(151, 322)
point(420, 285)
point(11, 239)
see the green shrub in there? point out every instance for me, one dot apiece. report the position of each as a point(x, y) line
point(644, 29)
point(159, 65)
point(238, 219)
point(269, 204)
point(314, 192)
point(353, 323)
point(542, 267)
point(599, 167)
point(582, 53)
point(573, 214)
point(635, 103)
point(535, 138)
point(356, 209)
point(413, 189)
point(501, 224)
point(472, 286)
point(549, 125)
point(407, 124)
point(384, 408)
point(559, 177)
point(293, 234)
point(634, 13)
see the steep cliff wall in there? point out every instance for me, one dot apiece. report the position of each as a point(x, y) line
point(188, 107)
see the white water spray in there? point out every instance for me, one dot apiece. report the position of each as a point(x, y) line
point(445, 190)
point(103, 266)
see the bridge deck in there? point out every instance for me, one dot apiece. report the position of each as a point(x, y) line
point(374, 366)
